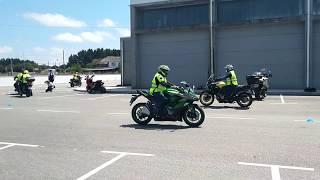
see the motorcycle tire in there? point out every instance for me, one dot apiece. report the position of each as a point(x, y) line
point(206, 98)
point(244, 96)
point(259, 94)
point(28, 93)
point(137, 118)
point(102, 90)
point(189, 120)
point(71, 85)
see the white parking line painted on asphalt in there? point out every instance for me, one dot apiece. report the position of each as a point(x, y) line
point(54, 97)
point(56, 111)
point(275, 169)
point(223, 117)
point(283, 103)
point(127, 153)
point(118, 114)
point(108, 163)
point(282, 99)
point(8, 145)
point(103, 97)
point(6, 108)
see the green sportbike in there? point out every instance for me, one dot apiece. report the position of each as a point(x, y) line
point(180, 107)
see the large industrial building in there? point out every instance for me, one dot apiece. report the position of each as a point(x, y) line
point(199, 37)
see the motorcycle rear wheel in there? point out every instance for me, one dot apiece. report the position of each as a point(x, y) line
point(244, 100)
point(140, 117)
point(193, 116)
point(259, 94)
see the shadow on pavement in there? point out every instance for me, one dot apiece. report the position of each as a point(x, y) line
point(226, 107)
point(158, 127)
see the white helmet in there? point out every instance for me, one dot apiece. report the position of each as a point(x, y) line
point(229, 67)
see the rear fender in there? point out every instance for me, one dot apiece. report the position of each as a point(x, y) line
point(134, 98)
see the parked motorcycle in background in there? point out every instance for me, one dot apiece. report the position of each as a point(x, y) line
point(75, 82)
point(242, 94)
point(94, 87)
point(259, 83)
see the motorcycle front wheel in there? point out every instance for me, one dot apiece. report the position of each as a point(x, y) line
point(28, 93)
point(193, 116)
point(141, 114)
point(206, 98)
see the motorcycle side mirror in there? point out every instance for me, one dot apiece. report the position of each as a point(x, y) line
point(185, 84)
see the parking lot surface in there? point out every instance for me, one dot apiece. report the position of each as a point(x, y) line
point(72, 135)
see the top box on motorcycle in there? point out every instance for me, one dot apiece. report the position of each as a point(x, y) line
point(252, 79)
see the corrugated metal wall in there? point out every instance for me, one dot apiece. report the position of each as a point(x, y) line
point(127, 60)
point(186, 52)
point(316, 55)
point(278, 47)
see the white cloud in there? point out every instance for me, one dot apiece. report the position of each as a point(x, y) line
point(55, 20)
point(39, 50)
point(5, 49)
point(107, 23)
point(124, 32)
point(96, 37)
point(68, 37)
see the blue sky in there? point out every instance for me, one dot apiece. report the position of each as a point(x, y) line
point(40, 29)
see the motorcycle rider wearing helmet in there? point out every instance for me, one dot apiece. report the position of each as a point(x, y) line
point(18, 79)
point(159, 87)
point(75, 76)
point(25, 77)
point(231, 81)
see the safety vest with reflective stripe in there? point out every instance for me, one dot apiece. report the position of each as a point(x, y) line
point(157, 87)
point(25, 77)
point(19, 77)
point(233, 80)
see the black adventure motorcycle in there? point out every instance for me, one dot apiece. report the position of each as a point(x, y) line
point(26, 88)
point(242, 94)
point(180, 107)
point(259, 83)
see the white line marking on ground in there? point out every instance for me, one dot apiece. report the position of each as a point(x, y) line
point(127, 153)
point(116, 114)
point(6, 108)
point(8, 145)
point(103, 97)
point(283, 103)
point(282, 99)
point(55, 111)
point(275, 169)
point(243, 118)
point(101, 167)
point(54, 97)
point(300, 120)
point(108, 163)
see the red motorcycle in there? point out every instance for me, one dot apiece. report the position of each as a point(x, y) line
point(94, 87)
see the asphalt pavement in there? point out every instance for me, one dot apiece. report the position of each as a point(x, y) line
point(74, 135)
